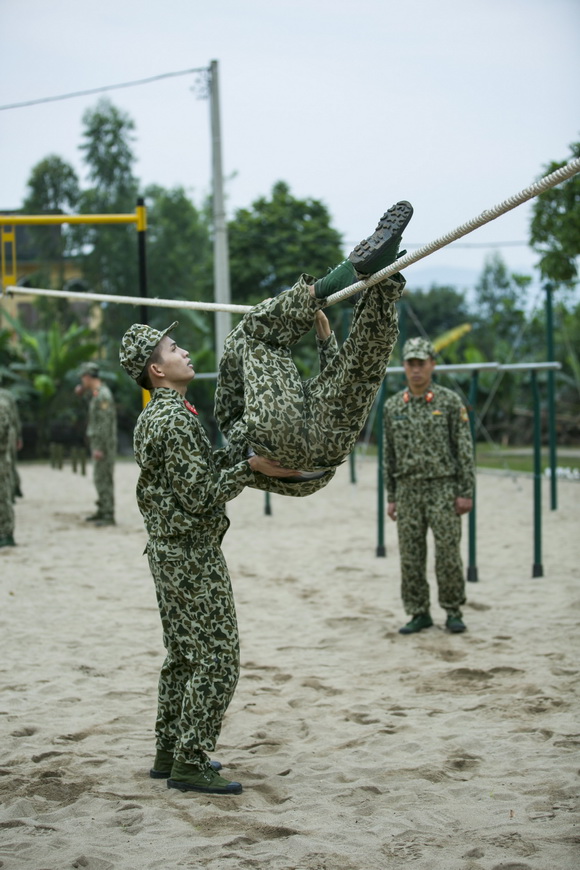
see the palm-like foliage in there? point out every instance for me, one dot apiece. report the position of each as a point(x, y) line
point(50, 358)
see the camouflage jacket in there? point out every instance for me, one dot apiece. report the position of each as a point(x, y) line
point(7, 432)
point(7, 397)
point(426, 438)
point(102, 424)
point(184, 484)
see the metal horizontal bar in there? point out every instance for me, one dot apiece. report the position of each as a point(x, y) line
point(40, 219)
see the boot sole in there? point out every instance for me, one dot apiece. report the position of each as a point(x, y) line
point(388, 232)
point(232, 788)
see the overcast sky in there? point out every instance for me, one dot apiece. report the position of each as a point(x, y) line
point(454, 105)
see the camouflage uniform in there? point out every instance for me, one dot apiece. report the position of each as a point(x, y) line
point(182, 491)
point(428, 457)
point(7, 437)
point(7, 398)
point(261, 401)
point(102, 435)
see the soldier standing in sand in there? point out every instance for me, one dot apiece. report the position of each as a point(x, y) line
point(430, 479)
point(102, 437)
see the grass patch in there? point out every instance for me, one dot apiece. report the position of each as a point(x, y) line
point(521, 458)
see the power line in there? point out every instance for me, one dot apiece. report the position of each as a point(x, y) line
point(147, 81)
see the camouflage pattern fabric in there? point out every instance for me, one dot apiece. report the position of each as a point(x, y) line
point(428, 460)
point(425, 440)
point(425, 504)
point(102, 435)
point(7, 436)
point(200, 672)
point(262, 402)
point(7, 398)
point(182, 490)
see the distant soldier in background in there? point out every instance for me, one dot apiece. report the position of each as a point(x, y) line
point(7, 439)
point(430, 478)
point(102, 438)
point(16, 441)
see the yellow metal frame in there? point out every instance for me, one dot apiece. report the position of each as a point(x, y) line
point(8, 238)
point(9, 222)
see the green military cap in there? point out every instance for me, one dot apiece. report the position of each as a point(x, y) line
point(90, 368)
point(418, 348)
point(138, 344)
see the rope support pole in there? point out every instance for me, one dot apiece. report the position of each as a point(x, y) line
point(563, 174)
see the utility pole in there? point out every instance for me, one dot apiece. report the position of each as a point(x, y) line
point(221, 268)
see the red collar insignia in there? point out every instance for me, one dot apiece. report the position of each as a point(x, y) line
point(190, 407)
point(429, 396)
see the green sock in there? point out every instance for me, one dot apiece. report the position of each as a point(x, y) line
point(337, 279)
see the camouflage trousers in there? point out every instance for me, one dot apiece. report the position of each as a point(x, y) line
point(16, 485)
point(6, 498)
point(200, 633)
point(304, 424)
point(423, 504)
point(103, 479)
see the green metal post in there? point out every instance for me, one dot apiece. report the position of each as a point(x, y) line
point(537, 568)
point(381, 549)
point(551, 398)
point(472, 575)
point(352, 464)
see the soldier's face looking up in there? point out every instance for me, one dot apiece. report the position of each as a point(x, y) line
point(418, 373)
point(174, 363)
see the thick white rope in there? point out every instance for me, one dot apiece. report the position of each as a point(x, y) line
point(129, 300)
point(551, 180)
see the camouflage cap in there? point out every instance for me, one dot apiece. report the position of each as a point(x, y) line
point(138, 344)
point(89, 368)
point(418, 348)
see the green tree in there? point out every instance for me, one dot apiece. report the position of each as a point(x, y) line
point(500, 333)
point(438, 309)
point(50, 359)
point(433, 312)
point(499, 315)
point(555, 226)
point(275, 240)
point(110, 251)
point(179, 249)
point(53, 188)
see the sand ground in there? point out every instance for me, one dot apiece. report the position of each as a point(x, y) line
point(358, 748)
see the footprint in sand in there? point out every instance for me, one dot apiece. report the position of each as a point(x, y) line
point(85, 862)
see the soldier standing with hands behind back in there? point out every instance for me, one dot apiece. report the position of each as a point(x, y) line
point(102, 437)
point(430, 479)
